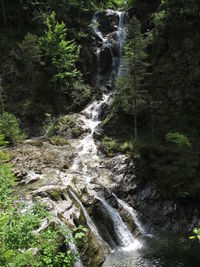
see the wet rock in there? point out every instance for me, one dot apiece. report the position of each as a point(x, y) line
point(32, 180)
point(52, 191)
point(20, 175)
point(105, 223)
point(92, 252)
point(108, 21)
point(98, 134)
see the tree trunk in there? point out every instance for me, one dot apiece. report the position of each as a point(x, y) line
point(79, 12)
point(4, 12)
point(135, 92)
point(1, 98)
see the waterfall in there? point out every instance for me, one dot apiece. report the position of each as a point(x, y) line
point(95, 28)
point(133, 214)
point(124, 237)
point(98, 75)
point(87, 162)
point(121, 33)
point(121, 37)
point(87, 149)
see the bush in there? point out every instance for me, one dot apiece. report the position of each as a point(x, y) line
point(178, 138)
point(9, 127)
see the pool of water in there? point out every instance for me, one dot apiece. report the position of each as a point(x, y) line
point(157, 252)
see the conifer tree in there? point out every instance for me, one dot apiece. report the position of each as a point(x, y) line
point(129, 98)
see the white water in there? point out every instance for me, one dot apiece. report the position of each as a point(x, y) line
point(95, 28)
point(133, 214)
point(121, 38)
point(98, 75)
point(124, 236)
point(121, 33)
point(87, 150)
point(88, 159)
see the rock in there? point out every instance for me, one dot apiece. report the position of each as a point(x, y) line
point(105, 224)
point(20, 175)
point(92, 252)
point(34, 142)
point(98, 134)
point(32, 180)
point(108, 21)
point(52, 191)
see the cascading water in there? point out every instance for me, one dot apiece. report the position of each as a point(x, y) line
point(121, 33)
point(98, 75)
point(125, 239)
point(87, 161)
point(96, 28)
point(133, 214)
point(87, 149)
point(106, 44)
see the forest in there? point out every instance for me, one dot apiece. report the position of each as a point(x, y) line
point(99, 133)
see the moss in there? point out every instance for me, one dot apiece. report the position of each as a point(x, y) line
point(58, 140)
point(74, 180)
point(113, 145)
point(64, 123)
point(76, 132)
point(55, 194)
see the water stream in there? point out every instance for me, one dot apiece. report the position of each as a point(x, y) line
point(133, 214)
point(88, 159)
point(121, 33)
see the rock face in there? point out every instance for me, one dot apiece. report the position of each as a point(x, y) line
point(108, 21)
point(155, 212)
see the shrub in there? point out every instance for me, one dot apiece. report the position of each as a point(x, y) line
point(9, 127)
point(178, 138)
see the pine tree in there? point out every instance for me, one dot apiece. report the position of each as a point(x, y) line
point(129, 98)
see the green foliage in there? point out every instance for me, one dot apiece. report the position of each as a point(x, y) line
point(174, 170)
point(9, 127)
point(159, 19)
point(76, 132)
point(114, 145)
point(178, 138)
point(63, 124)
point(134, 70)
point(22, 242)
point(18, 239)
point(31, 52)
point(196, 232)
point(60, 55)
point(7, 182)
point(48, 124)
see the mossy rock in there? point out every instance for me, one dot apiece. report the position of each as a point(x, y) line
point(76, 132)
point(92, 253)
point(64, 123)
point(54, 194)
point(58, 140)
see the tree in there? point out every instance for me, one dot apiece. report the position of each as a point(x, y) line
point(1, 97)
point(9, 127)
point(129, 98)
point(4, 12)
point(60, 55)
point(31, 58)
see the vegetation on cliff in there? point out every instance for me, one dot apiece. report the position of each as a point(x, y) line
point(158, 95)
